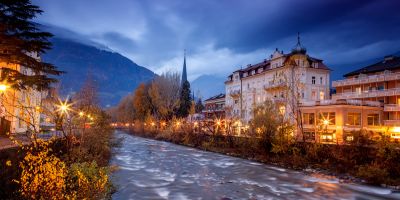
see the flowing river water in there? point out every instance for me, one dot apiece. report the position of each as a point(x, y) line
point(151, 169)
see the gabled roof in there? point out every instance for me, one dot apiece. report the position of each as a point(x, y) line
point(389, 63)
point(219, 96)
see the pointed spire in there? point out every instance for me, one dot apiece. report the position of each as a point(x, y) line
point(299, 48)
point(298, 39)
point(184, 73)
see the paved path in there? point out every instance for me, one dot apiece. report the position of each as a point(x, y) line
point(6, 143)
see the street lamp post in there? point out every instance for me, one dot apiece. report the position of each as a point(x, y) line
point(282, 111)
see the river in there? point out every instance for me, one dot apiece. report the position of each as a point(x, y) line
point(151, 169)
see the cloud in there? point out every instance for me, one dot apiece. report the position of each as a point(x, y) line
point(223, 35)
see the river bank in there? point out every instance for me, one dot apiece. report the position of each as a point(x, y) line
point(155, 169)
point(347, 163)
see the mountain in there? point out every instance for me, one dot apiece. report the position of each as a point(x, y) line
point(208, 86)
point(114, 74)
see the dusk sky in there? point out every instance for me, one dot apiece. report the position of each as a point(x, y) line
point(221, 36)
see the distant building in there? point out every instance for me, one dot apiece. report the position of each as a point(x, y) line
point(19, 109)
point(283, 78)
point(214, 107)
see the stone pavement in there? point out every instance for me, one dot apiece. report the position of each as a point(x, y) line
point(6, 143)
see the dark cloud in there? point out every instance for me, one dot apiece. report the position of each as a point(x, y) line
point(154, 33)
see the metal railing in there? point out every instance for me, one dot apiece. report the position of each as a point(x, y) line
point(391, 107)
point(367, 94)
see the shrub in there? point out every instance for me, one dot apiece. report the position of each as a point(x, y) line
point(89, 181)
point(373, 173)
point(43, 174)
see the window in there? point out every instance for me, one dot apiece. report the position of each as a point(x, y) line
point(373, 119)
point(327, 116)
point(236, 101)
point(358, 90)
point(313, 80)
point(313, 95)
point(308, 118)
point(320, 80)
point(354, 119)
point(309, 135)
point(321, 95)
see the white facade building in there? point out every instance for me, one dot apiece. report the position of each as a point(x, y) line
point(288, 79)
point(19, 109)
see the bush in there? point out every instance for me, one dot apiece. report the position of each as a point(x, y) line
point(89, 181)
point(373, 173)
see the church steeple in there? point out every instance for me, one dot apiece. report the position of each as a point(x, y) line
point(184, 73)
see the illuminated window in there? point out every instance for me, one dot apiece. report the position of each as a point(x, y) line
point(373, 119)
point(321, 95)
point(349, 138)
point(354, 119)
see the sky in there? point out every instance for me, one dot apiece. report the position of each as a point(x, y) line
point(221, 36)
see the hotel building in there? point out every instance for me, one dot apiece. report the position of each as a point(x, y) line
point(284, 78)
point(367, 99)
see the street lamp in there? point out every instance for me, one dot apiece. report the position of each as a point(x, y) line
point(282, 110)
point(64, 107)
point(3, 87)
point(81, 114)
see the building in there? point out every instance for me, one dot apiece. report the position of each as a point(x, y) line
point(337, 121)
point(378, 83)
point(19, 109)
point(214, 107)
point(288, 79)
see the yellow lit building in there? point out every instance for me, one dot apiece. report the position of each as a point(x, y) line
point(367, 99)
point(19, 109)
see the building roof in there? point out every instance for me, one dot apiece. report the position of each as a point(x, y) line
point(388, 63)
point(219, 96)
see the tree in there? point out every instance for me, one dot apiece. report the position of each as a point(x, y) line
point(164, 94)
point(199, 106)
point(141, 102)
point(87, 97)
point(184, 100)
point(22, 43)
point(265, 122)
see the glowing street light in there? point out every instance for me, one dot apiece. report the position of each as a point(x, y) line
point(81, 114)
point(3, 87)
point(282, 110)
point(64, 107)
point(325, 122)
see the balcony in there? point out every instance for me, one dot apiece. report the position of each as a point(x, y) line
point(234, 93)
point(391, 107)
point(367, 94)
point(367, 79)
point(392, 122)
point(341, 102)
point(272, 85)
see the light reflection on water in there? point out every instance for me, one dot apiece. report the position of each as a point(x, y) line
point(152, 169)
